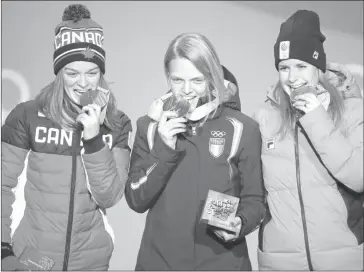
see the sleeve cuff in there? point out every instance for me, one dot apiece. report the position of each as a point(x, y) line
point(94, 144)
point(6, 250)
point(243, 224)
point(317, 123)
point(314, 116)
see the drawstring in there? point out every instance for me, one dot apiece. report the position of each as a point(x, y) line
point(298, 178)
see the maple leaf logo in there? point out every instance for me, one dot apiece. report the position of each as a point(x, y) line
point(88, 54)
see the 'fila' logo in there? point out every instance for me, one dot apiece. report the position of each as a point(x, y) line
point(270, 143)
point(315, 55)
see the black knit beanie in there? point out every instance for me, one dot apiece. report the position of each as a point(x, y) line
point(78, 38)
point(300, 38)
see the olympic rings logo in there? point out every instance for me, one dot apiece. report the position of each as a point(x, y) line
point(218, 133)
point(22, 86)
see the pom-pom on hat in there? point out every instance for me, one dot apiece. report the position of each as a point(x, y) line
point(300, 38)
point(78, 38)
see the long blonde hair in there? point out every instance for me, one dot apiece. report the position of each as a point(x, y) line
point(58, 106)
point(286, 111)
point(199, 50)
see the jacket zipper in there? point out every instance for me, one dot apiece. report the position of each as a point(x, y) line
point(197, 205)
point(194, 133)
point(72, 200)
point(303, 216)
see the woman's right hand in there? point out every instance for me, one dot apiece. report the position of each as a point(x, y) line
point(12, 263)
point(169, 126)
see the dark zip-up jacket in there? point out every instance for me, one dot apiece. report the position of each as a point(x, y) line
point(172, 186)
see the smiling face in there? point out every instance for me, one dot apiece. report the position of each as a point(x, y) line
point(295, 73)
point(186, 81)
point(80, 77)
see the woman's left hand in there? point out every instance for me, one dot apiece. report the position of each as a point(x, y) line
point(306, 102)
point(90, 119)
point(230, 237)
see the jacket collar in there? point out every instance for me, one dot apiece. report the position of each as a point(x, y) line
point(233, 101)
point(338, 75)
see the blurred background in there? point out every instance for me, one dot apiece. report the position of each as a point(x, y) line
point(137, 35)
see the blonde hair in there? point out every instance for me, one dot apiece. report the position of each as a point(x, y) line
point(58, 106)
point(198, 49)
point(288, 119)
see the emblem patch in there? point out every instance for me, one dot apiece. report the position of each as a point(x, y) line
point(284, 50)
point(216, 146)
point(88, 54)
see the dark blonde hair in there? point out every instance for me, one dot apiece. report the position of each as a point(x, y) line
point(57, 105)
point(199, 50)
point(286, 111)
